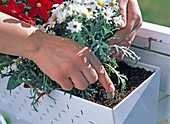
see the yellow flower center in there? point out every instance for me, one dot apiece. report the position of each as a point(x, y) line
point(64, 19)
point(38, 4)
point(85, 14)
point(105, 13)
point(100, 3)
point(113, 19)
point(89, 9)
point(74, 26)
point(18, 60)
point(61, 9)
point(91, 3)
point(15, 63)
point(53, 23)
point(55, 18)
point(111, 4)
point(13, 11)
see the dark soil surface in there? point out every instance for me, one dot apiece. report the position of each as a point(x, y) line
point(135, 77)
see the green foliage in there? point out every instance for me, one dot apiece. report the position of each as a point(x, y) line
point(7, 118)
point(95, 34)
point(13, 82)
point(4, 60)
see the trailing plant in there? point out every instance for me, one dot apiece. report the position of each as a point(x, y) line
point(91, 23)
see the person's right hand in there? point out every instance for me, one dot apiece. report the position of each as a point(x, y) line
point(132, 18)
point(67, 63)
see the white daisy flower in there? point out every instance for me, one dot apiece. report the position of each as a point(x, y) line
point(55, 11)
point(56, 5)
point(42, 27)
point(113, 4)
point(61, 17)
point(100, 4)
point(89, 2)
point(51, 23)
point(18, 60)
point(74, 26)
point(70, 10)
point(82, 10)
point(14, 66)
point(51, 32)
point(108, 14)
point(91, 8)
point(53, 17)
point(118, 20)
point(6, 70)
point(77, 1)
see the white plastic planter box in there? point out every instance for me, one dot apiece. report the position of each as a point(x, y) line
point(163, 107)
point(152, 44)
point(140, 107)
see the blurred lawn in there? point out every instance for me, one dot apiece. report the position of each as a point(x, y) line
point(156, 11)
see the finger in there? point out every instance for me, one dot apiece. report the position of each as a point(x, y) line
point(123, 11)
point(117, 54)
point(79, 80)
point(126, 42)
point(134, 21)
point(103, 77)
point(129, 33)
point(86, 68)
point(120, 34)
point(121, 55)
point(90, 73)
point(65, 83)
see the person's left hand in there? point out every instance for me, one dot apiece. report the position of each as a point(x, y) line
point(131, 15)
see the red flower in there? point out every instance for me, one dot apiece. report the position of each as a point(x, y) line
point(133, 88)
point(58, 1)
point(0, 1)
point(26, 18)
point(13, 9)
point(39, 7)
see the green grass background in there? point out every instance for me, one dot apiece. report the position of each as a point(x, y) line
point(156, 11)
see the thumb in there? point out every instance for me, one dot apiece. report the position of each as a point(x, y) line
point(123, 12)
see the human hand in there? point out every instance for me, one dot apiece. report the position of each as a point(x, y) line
point(67, 63)
point(132, 18)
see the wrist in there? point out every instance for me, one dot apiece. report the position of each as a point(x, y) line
point(34, 43)
point(40, 43)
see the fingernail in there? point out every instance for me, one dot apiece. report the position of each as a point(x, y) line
point(112, 88)
point(122, 56)
point(123, 23)
point(102, 70)
point(110, 95)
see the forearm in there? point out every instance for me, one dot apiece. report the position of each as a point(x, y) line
point(16, 37)
point(63, 60)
